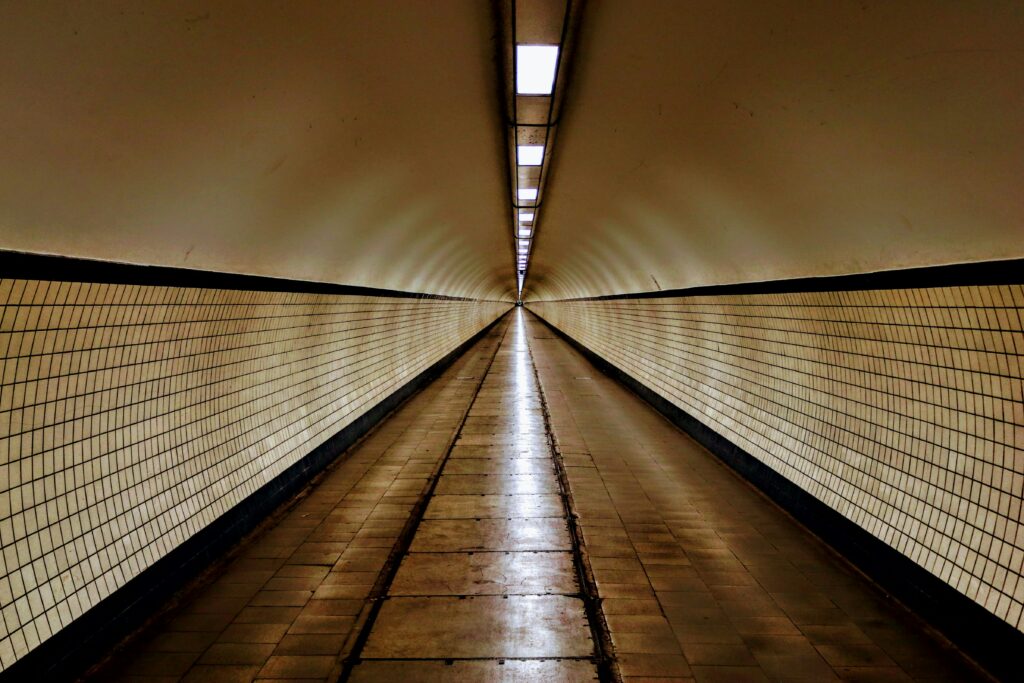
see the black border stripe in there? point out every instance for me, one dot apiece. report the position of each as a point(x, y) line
point(71, 651)
point(977, 274)
point(19, 265)
point(992, 642)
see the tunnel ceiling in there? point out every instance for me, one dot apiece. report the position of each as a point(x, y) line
point(721, 142)
point(349, 142)
point(362, 142)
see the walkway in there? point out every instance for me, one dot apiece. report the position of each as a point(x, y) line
point(454, 544)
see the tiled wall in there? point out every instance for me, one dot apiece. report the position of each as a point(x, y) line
point(132, 416)
point(901, 409)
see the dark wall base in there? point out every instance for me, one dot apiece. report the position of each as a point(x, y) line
point(84, 642)
point(990, 641)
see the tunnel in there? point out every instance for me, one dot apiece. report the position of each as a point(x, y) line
point(511, 340)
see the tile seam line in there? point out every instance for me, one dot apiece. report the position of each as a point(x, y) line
point(356, 641)
point(573, 658)
point(470, 596)
point(604, 651)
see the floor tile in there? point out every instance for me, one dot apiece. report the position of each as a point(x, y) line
point(485, 573)
point(491, 506)
point(523, 533)
point(487, 626)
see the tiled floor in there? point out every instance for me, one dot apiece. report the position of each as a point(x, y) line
point(700, 577)
point(489, 575)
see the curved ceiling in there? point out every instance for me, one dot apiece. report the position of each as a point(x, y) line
point(721, 142)
point(349, 142)
point(361, 143)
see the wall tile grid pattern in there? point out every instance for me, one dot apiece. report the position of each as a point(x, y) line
point(132, 416)
point(902, 409)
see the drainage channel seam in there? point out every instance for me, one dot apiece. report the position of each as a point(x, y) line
point(604, 651)
point(351, 653)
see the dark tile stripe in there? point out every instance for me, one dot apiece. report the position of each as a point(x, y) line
point(25, 266)
point(982, 273)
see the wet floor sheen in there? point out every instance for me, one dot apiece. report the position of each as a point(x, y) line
point(440, 550)
point(489, 574)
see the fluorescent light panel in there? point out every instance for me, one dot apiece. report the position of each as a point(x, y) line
point(535, 75)
point(535, 69)
point(530, 155)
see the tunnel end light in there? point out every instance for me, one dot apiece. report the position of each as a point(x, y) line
point(535, 69)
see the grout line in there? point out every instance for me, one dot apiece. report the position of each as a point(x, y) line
point(477, 659)
point(470, 596)
point(490, 550)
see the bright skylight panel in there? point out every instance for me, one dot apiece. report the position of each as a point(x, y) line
point(526, 216)
point(531, 155)
point(535, 69)
point(527, 193)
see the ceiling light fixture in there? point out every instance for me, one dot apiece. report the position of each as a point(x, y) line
point(530, 155)
point(535, 69)
point(538, 39)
